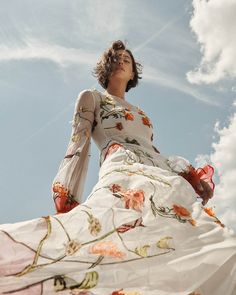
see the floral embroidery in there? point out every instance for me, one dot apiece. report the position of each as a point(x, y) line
point(94, 224)
point(129, 116)
point(142, 250)
point(125, 227)
point(178, 212)
point(64, 201)
point(133, 198)
point(115, 188)
point(132, 141)
point(164, 243)
point(112, 148)
point(146, 121)
point(141, 112)
point(121, 292)
point(119, 126)
point(106, 248)
point(72, 247)
point(62, 282)
point(181, 211)
point(211, 213)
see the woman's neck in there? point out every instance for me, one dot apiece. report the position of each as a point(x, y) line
point(116, 90)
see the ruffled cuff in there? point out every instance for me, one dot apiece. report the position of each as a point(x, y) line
point(182, 167)
point(206, 173)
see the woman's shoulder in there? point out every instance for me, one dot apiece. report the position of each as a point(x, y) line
point(89, 97)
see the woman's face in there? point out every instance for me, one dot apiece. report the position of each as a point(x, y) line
point(122, 67)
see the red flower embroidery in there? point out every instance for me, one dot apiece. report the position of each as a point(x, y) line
point(146, 121)
point(125, 227)
point(115, 188)
point(129, 116)
point(119, 126)
point(117, 292)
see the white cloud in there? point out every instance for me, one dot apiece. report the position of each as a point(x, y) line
point(224, 161)
point(35, 49)
point(214, 24)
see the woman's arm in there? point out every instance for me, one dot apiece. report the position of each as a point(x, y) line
point(200, 179)
point(67, 187)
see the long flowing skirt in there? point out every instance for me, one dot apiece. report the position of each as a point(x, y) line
point(141, 231)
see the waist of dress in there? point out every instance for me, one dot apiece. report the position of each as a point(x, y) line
point(143, 154)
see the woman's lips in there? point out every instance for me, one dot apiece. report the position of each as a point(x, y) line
point(120, 69)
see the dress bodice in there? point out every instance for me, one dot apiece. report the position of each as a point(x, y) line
point(117, 121)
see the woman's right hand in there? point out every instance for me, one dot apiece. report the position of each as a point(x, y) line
point(201, 187)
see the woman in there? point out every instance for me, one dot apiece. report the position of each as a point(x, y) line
point(141, 230)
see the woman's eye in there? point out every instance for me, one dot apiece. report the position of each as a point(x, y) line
point(127, 61)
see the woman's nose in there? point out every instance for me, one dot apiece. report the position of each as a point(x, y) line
point(120, 61)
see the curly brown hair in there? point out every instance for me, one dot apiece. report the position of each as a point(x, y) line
point(104, 66)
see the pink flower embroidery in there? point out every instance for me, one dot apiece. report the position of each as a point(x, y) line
point(134, 199)
point(106, 248)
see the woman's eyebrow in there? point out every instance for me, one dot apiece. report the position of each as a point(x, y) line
point(127, 56)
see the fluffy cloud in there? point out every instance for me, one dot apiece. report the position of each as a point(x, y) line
point(214, 24)
point(224, 160)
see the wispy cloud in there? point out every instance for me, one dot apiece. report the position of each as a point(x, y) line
point(36, 49)
point(158, 33)
point(155, 76)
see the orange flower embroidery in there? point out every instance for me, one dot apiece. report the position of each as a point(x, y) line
point(146, 121)
point(210, 211)
point(134, 199)
point(192, 221)
point(129, 116)
point(181, 211)
point(106, 248)
point(119, 126)
point(64, 201)
point(61, 191)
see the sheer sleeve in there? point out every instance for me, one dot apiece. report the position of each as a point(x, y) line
point(68, 185)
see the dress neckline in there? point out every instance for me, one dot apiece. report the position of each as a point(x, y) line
point(122, 100)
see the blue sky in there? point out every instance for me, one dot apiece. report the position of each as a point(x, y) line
point(47, 52)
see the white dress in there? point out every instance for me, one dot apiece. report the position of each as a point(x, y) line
point(141, 231)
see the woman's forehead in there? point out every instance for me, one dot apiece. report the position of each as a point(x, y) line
point(124, 53)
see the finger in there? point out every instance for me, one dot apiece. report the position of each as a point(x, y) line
point(199, 187)
point(207, 189)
